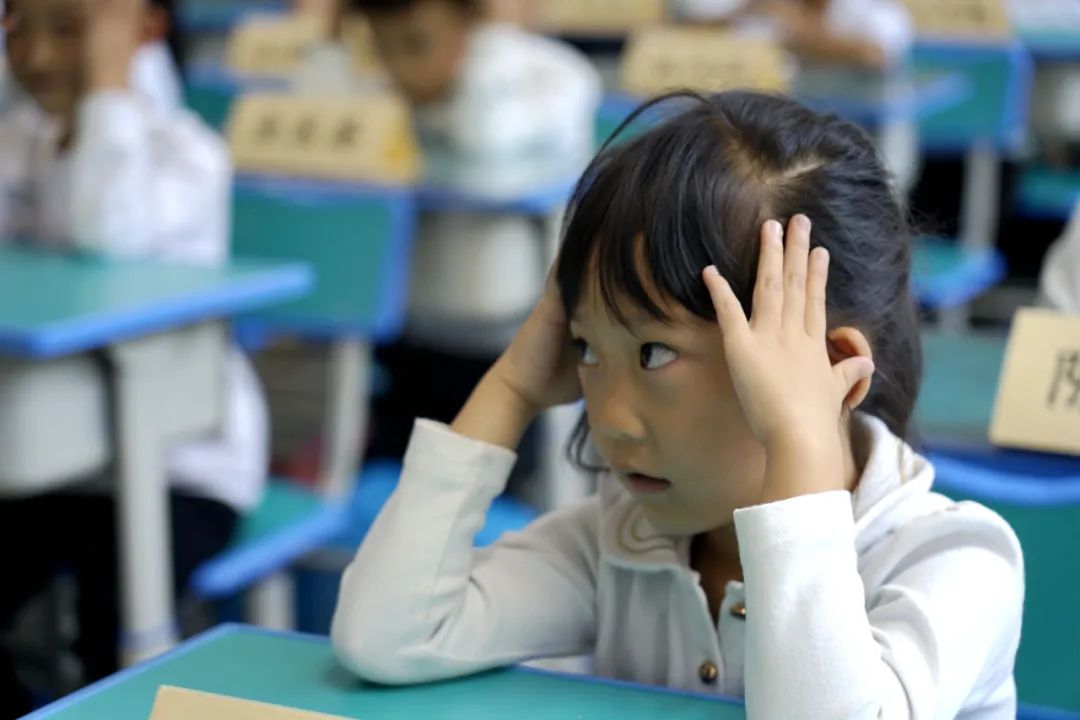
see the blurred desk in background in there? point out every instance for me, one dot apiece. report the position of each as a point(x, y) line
point(160, 327)
point(300, 671)
point(953, 416)
point(219, 16)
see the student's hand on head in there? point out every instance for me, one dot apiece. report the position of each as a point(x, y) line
point(114, 32)
point(793, 391)
point(537, 371)
point(540, 365)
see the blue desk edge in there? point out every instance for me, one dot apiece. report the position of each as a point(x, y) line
point(277, 283)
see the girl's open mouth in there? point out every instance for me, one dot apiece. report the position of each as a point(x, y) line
point(646, 484)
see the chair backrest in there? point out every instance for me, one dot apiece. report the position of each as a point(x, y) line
point(357, 238)
point(995, 112)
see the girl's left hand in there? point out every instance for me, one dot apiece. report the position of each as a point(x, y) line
point(791, 393)
point(114, 32)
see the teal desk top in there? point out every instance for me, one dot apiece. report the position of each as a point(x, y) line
point(299, 671)
point(54, 304)
point(1052, 44)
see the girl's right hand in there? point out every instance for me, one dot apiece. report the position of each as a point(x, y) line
point(540, 365)
point(537, 371)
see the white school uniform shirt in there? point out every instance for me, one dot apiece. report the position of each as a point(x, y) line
point(140, 180)
point(889, 602)
point(886, 23)
point(522, 116)
point(1059, 283)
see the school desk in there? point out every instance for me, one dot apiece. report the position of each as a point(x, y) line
point(1048, 45)
point(1048, 193)
point(300, 671)
point(160, 326)
point(868, 99)
point(216, 16)
point(952, 421)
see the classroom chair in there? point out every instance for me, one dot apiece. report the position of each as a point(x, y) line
point(358, 238)
point(989, 124)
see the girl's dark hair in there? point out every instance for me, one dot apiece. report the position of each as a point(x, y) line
point(695, 188)
point(174, 39)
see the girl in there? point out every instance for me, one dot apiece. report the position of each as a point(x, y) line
point(753, 533)
point(89, 163)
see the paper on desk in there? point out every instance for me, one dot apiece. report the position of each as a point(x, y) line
point(1038, 400)
point(174, 703)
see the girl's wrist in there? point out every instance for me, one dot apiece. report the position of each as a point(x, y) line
point(798, 466)
point(495, 413)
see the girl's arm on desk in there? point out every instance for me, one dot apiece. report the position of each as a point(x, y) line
point(418, 603)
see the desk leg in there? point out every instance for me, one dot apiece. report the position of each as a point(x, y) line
point(978, 214)
point(982, 181)
point(147, 615)
point(898, 143)
point(345, 422)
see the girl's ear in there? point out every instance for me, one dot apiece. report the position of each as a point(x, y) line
point(849, 342)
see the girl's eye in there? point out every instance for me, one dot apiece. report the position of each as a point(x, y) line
point(585, 354)
point(656, 355)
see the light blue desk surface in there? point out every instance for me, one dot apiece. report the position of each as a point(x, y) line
point(873, 100)
point(868, 99)
point(544, 198)
point(541, 200)
point(1048, 193)
point(54, 304)
point(300, 671)
point(218, 78)
point(204, 16)
point(1053, 45)
point(998, 77)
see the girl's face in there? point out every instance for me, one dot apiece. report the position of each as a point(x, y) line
point(44, 42)
point(663, 413)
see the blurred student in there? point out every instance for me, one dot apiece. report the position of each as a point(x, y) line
point(90, 163)
point(1059, 284)
point(870, 34)
point(497, 110)
point(1055, 114)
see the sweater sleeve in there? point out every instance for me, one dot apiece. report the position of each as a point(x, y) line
point(146, 183)
point(418, 603)
point(942, 629)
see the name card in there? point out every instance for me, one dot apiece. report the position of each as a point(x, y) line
point(179, 704)
point(271, 45)
point(353, 138)
point(1038, 400)
point(602, 17)
point(666, 58)
point(987, 19)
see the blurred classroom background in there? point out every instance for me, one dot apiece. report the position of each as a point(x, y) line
point(427, 234)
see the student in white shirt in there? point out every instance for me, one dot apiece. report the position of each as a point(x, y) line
point(497, 110)
point(761, 527)
point(873, 34)
point(1059, 283)
point(89, 163)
